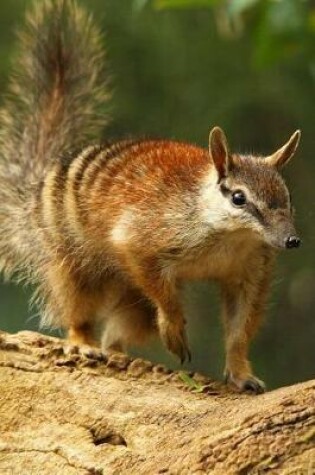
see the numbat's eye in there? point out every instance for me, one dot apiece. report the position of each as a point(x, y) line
point(238, 198)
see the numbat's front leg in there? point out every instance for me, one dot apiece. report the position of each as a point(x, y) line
point(239, 318)
point(243, 305)
point(172, 331)
point(170, 318)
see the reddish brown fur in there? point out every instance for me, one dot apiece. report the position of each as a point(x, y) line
point(110, 233)
point(125, 221)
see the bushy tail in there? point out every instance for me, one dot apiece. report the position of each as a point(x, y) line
point(56, 99)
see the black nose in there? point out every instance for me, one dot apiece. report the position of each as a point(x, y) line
point(292, 241)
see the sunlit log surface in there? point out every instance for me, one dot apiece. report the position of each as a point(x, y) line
point(67, 413)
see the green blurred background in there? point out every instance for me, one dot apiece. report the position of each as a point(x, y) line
point(178, 67)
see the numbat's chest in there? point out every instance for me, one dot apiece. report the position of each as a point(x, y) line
point(226, 258)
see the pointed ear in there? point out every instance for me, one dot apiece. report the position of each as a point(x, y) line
point(218, 150)
point(283, 155)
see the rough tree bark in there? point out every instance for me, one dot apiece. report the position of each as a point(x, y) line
point(65, 413)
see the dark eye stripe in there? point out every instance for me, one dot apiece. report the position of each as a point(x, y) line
point(250, 207)
point(254, 211)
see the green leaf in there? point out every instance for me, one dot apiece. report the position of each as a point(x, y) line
point(285, 16)
point(163, 4)
point(311, 20)
point(139, 4)
point(190, 382)
point(187, 379)
point(238, 6)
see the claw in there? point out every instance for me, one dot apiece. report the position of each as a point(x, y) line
point(254, 385)
point(185, 356)
point(85, 351)
point(245, 384)
point(174, 338)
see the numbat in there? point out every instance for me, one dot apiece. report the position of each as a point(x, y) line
point(108, 233)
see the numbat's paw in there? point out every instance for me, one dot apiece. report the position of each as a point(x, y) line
point(245, 383)
point(174, 337)
point(86, 351)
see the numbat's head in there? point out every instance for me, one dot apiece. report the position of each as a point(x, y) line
point(251, 194)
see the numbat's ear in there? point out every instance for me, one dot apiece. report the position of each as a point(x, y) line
point(282, 156)
point(219, 152)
